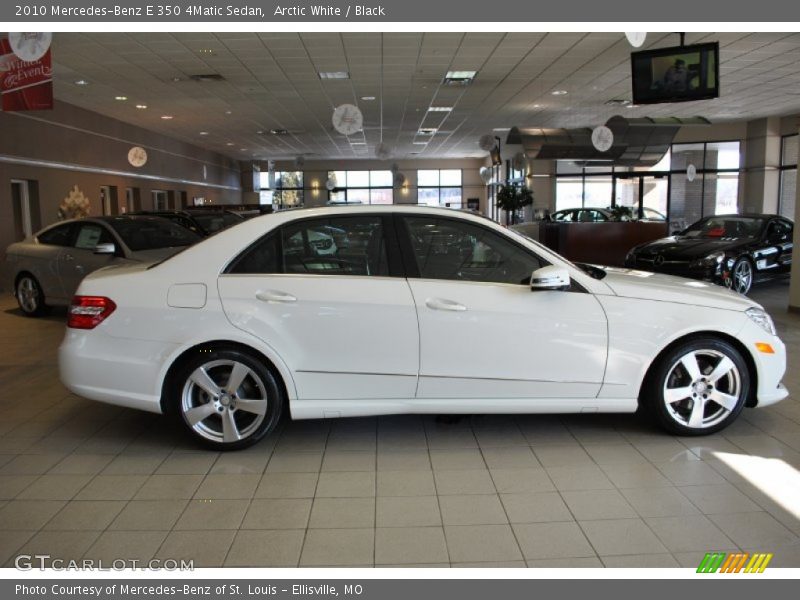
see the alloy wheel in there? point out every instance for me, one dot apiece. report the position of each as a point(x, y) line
point(28, 295)
point(702, 388)
point(224, 401)
point(742, 277)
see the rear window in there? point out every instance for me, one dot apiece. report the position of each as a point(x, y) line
point(60, 235)
point(213, 222)
point(152, 233)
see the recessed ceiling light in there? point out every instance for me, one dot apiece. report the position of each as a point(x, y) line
point(166, 117)
point(537, 106)
point(228, 112)
point(358, 143)
point(459, 77)
point(260, 132)
point(559, 92)
point(81, 82)
point(206, 51)
point(368, 98)
point(203, 133)
point(420, 143)
point(279, 131)
point(440, 108)
point(242, 149)
point(141, 106)
point(427, 130)
point(334, 75)
point(121, 98)
point(229, 144)
point(176, 79)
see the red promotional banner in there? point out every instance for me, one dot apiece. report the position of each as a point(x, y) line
point(25, 85)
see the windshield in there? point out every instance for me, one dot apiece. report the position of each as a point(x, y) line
point(212, 222)
point(152, 233)
point(725, 227)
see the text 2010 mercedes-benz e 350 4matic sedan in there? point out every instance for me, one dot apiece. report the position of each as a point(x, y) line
point(374, 310)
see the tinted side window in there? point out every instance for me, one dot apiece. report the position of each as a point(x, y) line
point(458, 251)
point(261, 258)
point(57, 236)
point(338, 246)
point(91, 234)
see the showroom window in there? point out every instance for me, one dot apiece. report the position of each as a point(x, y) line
point(662, 189)
point(788, 186)
point(452, 250)
point(439, 187)
point(361, 187)
point(288, 192)
point(714, 190)
point(340, 246)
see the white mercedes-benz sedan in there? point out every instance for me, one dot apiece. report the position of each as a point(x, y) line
point(374, 310)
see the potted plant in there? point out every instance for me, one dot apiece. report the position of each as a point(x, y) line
point(512, 198)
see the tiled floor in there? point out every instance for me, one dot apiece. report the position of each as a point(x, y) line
point(80, 479)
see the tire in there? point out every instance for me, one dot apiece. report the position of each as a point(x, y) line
point(742, 275)
point(217, 416)
point(30, 296)
point(707, 373)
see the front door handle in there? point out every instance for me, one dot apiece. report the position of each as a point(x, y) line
point(275, 296)
point(69, 257)
point(443, 304)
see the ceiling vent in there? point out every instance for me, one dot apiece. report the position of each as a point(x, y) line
point(203, 77)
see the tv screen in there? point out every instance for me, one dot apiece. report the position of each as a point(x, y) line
point(678, 74)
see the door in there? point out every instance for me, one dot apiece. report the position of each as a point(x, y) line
point(484, 333)
point(21, 200)
point(776, 254)
point(77, 261)
point(329, 297)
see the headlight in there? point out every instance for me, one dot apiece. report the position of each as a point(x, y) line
point(631, 255)
point(762, 319)
point(714, 258)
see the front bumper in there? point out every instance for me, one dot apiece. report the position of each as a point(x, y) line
point(770, 367)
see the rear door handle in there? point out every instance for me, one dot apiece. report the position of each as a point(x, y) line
point(444, 304)
point(275, 296)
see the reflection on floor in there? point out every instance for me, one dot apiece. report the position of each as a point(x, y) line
point(80, 479)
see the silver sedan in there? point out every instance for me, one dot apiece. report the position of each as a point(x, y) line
point(45, 269)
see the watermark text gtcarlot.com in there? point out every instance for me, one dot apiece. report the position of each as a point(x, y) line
point(30, 562)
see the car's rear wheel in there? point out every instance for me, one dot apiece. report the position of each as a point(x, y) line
point(698, 387)
point(227, 398)
point(742, 276)
point(30, 296)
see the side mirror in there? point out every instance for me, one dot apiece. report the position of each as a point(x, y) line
point(676, 232)
point(550, 278)
point(105, 249)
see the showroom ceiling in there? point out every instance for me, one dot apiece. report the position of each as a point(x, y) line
point(271, 81)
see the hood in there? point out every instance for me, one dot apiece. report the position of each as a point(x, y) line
point(689, 248)
point(666, 288)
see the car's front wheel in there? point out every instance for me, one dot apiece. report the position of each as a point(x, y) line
point(227, 398)
point(698, 387)
point(741, 278)
point(30, 296)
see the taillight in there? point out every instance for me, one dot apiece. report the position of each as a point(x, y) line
point(87, 312)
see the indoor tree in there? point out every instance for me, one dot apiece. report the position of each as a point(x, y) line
point(512, 198)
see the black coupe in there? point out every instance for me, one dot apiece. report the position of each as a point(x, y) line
point(732, 250)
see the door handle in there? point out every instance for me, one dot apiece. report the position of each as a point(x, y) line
point(69, 257)
point(275, 296)
point(443, 304)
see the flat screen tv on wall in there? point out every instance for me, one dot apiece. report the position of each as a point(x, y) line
point(676, 74)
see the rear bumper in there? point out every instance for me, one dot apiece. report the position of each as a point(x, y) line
point(91, 365)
